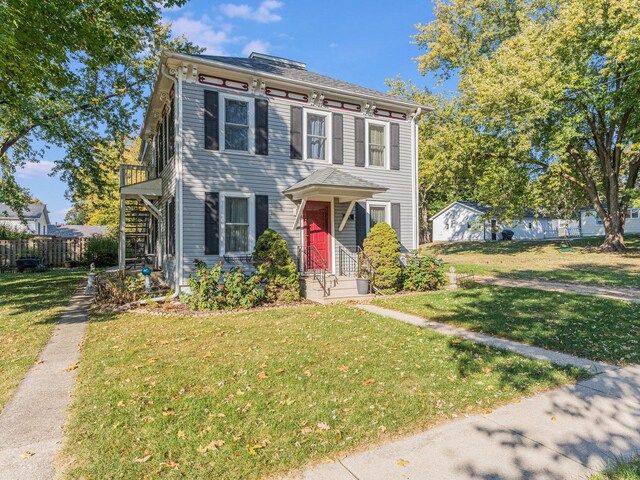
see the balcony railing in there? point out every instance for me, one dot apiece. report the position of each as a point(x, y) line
point(132, 174)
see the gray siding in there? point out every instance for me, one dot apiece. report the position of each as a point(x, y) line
point(205, 170)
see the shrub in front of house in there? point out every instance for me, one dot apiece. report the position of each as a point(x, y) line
point(383, 249)
point(12, 233)
point(276, 267)
point(102, 250)
point(423, 272)
point(213, 290)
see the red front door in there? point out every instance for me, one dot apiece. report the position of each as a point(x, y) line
point(316, 235)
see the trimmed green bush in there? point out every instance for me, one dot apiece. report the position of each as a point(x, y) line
point(383, 249)
point(276, 268)
point(423, 272)
point(101, 250)
point(210, 292)
point(12, 233)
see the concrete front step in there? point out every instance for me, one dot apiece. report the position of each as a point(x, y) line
point(340, 298)
point(337, 287)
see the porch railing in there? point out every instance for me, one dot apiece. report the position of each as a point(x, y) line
point(353, 262)
point(313, 263)
point(132, 174)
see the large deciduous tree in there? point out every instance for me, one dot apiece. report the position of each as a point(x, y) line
point(74, 74)
point(558, 83)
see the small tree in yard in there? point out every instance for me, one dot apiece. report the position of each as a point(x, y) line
point(276, 267)
point(383, 249)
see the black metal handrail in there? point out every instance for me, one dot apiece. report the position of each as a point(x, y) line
point(367, 269)
point(347, 261)
point(312, 262)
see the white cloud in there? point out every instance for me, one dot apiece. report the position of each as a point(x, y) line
point(263, 14)
point(35, 170)
point(258, 46)
point(202, 33)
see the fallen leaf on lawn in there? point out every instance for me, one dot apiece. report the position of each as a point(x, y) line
point(39, 362)
point(252, 448)
point(263, 365)
point(221, 415)
point(343, 368)
point(486, 370)
point(71, 367)
point(323, 426)
point(27, 455)
point(219, 334)
point(263, 375)
point(280, 370)
point(168, 413)
point(306, 430)
point(211, 447)
point(308, 373)
point(170, 464)
point(144, 459)
point(369, 381)
point(152, 360)
point(182, 434)
point(382, 428)
point(402, 462)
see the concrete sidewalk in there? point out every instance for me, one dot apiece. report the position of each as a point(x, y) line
point(612, 293)
point(530, 351)
point(31, 424)
point(565, 434)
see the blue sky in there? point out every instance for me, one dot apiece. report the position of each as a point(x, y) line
point(363, 41)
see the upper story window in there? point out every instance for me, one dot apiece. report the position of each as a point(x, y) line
point(236, 128)
point(377, 139)
point(317, 127)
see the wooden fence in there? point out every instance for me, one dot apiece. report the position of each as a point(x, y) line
point(53, 251)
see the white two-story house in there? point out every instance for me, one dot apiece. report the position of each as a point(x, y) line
point(232, 146)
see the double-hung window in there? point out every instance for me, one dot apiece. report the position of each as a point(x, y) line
point(238, 212)
point(377, 144)
point(236, 128)
point(317, 126)
point(378, 212)
point(632, 213)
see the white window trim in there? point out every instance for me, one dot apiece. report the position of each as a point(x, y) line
point(387, 212)
point(252, 220)
point(329, 132)
point(251, 117)
point(387, 143)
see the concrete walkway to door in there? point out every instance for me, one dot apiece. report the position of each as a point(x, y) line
point(31, 423)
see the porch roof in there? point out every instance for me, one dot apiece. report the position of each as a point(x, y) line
point(334, 182)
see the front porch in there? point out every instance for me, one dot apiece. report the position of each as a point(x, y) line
point(330, 219)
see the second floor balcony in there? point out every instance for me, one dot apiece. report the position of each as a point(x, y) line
point(140, 180)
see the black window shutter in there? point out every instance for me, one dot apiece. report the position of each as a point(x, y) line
point(172, 130)
point(172, 226)
point(361, 223)
point(262, 214)
point(395, 218)
point(395, 146)
point(296, 133)
point(360, 142)
point(212, 223)
point(211, 132)
point(262, 127)
point(160, 147)
point(336, 142)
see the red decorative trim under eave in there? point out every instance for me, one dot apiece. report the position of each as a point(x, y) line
point(223, 82)
point(351, 107)
point(379, 112)
point(286, 94)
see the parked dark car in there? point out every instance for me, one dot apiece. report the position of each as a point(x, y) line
point(507, 234)
point(30, 264)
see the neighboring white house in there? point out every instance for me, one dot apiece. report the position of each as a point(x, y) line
point(592, 225)
point(36, 218)
point(467, 221)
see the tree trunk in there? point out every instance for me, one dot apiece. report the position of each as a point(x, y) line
point(614, 235)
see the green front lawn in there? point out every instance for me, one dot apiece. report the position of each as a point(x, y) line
point(629, 470)
point(29, 305)
point(590, 327)
point(544, 259)
point(244, 395)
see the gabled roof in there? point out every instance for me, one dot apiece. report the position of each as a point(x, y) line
point(332, 177)
point(473, 206)
point(32, 210)
point(76, 231)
